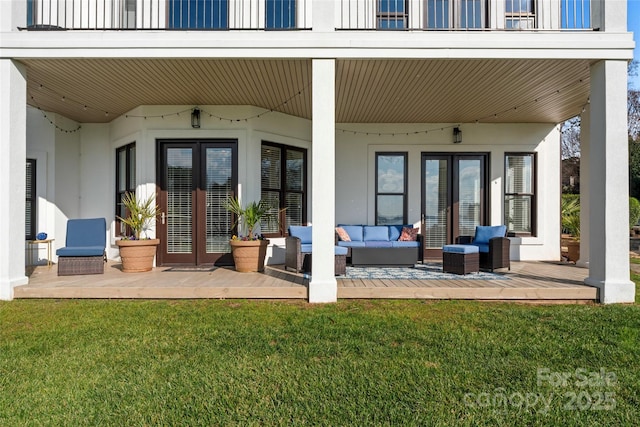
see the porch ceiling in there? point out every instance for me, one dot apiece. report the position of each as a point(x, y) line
point(368, 91)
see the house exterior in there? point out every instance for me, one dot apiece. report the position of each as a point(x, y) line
point(441, 114)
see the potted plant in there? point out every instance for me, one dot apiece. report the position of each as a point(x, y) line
point(136, 251)
point(249, 250)
point(571, 225)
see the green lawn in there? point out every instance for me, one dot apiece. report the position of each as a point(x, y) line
point(131, 363)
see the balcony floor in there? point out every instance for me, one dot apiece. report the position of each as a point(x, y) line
point(529, 281)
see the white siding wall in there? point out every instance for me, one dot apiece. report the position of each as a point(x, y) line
point(81, 165)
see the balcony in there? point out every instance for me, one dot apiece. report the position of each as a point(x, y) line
point(216, 15)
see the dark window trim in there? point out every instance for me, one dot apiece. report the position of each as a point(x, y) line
point(405, 155)
point(534, 197)
point(31, 199)
point(128, 148)
point(282, 218)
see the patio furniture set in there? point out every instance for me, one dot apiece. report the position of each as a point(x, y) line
point(400, 245)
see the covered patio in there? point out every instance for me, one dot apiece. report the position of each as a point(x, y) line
point(545, 282)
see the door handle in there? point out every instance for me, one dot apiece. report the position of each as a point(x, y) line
point(162, 217)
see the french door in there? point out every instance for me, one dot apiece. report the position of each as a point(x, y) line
point(195, 178)
point(454, 192)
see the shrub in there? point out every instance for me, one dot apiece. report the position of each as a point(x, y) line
point(634, 211)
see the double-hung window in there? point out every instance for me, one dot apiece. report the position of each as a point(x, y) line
point(391, 188)
point(392, 14)
point(284, 186)
point(125, 182)
point(520, 14)
point(30, 208)
point(520, 193)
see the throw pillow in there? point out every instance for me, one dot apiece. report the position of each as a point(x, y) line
point(342, 234)
point(408, 234)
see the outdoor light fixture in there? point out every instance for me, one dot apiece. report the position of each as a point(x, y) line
point(195, 118)
point(457, 135)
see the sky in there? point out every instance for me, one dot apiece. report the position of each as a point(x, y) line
point(633, 24)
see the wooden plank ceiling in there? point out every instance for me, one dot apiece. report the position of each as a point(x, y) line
point(367, 91)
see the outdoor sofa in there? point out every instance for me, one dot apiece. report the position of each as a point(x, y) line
point(381, 245)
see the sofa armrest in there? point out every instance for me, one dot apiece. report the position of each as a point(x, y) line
point(292, 253)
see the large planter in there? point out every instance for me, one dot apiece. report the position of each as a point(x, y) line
point(573, 250)
point(249, 255)
point(137, 255)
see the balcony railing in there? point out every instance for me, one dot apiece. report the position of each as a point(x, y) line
point(296, 14)
point(465, 14)
point(169, 14)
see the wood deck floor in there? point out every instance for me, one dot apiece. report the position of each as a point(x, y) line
point(529, 281)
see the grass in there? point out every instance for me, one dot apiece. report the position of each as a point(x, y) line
point(75, 362)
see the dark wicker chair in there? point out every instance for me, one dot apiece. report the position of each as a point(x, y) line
point(494, 253)
point(298, 255)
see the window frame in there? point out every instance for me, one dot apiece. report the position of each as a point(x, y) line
point(405, 192)
point(520, 15)
point(282, 218)
point(130, 185)
point(31, 200)
point(532, 195)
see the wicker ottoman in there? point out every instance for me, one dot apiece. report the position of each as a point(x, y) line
point(460, 259)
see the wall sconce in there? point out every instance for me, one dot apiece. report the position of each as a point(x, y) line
point(195, 118)
point(457, 135)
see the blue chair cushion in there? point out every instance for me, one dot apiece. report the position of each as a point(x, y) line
point(460, 249)
point(305, 247)
point(484, 233)
point(81, 251)
point(378, 244)
point(341, 251)
point(351, 244)
point(402, 244)
point(354, 232)
point(86, 232)
point(302, 232)
point(482, 247)
point(376, 233)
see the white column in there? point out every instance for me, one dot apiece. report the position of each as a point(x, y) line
point(609, 184)
point(585, 138)
point(323, 286)
point(13, 118)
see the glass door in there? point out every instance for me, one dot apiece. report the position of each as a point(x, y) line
point(453, 198)
point(195, 178)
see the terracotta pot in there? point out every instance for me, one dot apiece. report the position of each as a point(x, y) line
point(249, 255)
point(573, 248)
point(137, 255)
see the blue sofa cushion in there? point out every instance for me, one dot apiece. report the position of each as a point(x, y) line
point(379, 233)
point(81, 251)
point(401, 244)
point(354, 232)
point(378, 244)
point(460, 249)
point(301, 232)
point(395, 230)
point(484, 233)
point(351, 244)
point(86, 232)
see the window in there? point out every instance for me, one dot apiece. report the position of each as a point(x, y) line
point(283, 181)
point(392, 14)
point(391, 188)
point(30, 209)
point(280, 14)
point(519, 193)
point(125, 182)
point(575, 14)
point(520, 14)
point(443, 14)
point(194, 14)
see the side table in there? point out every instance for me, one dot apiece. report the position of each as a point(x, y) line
point(48, 243)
